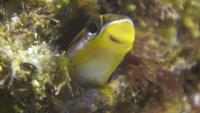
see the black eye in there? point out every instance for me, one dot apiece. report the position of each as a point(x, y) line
point(92, 27)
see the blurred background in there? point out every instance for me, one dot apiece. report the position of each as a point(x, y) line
point(162, 70)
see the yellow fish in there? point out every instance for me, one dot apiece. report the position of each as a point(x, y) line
point(99, 48)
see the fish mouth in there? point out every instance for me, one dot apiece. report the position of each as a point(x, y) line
point(121, 31)
point(113, 39)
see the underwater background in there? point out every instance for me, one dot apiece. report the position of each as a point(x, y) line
point(161, 74)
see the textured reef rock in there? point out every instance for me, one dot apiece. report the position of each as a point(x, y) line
point(160, 75)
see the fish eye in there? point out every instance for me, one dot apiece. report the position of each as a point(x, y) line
point(92, 28)
point(93, 25)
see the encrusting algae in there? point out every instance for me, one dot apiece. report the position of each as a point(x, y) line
point(159, 75)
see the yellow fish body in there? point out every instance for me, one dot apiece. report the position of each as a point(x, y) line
point(99, 48)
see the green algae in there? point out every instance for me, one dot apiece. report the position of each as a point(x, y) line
point(33, 67)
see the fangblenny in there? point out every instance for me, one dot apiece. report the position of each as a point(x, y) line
point(99, 48)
